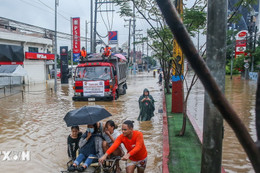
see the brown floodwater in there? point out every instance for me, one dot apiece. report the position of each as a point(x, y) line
point(241, 94)
point(35, 123)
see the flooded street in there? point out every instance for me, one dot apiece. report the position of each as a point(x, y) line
point(241, 94)
point(35, 124)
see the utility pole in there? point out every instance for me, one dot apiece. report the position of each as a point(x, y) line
point(91, 26)
point(252, 30)
point(198, 41)
point(55, 49)
point(134, 53)
point(71, 52)
point(86, 36)
point(142, 46)
point(216, 59)
point(129, 40)
point(95, 29)
point(233, 47)
point(147, 43)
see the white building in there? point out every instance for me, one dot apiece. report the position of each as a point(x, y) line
point(37, 58)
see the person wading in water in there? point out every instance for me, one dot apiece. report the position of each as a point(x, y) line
point(146, 105)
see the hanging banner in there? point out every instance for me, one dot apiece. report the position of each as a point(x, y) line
point(76, 36)
point(112, 37)
point(93, 88)
point(177, 70)
point(177, 67)
point(241, 43)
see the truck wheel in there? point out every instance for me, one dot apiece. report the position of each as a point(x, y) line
point(124, 90)
point(117, 95)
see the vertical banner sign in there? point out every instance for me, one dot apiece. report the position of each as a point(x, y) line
point(112, 37)
point(64, 64)
point(76, 38)
point(177, 67)
point(241, 43)
point(177, 70)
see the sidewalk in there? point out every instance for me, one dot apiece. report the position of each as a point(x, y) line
point(184, 152)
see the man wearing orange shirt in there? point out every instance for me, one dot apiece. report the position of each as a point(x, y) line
point(83, 54)
point(134, 143)
point(107, 52)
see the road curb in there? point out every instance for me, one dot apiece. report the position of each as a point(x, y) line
point(166, 147)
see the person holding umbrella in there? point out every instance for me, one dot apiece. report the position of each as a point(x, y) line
point(133, 141)
point(90, 146)
point(90, 143)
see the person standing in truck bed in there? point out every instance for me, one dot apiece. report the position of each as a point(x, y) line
point(83, 54)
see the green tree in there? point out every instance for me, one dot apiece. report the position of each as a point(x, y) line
point(239, 62)
point(160, 37)
point(161, 51)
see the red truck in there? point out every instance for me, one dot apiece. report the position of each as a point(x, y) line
point(96, 79)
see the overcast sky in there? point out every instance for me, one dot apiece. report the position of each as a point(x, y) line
point(41, 13)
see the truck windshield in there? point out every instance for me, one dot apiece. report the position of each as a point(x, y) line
point(93, 73)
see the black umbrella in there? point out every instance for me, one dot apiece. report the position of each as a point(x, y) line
point(86, 115)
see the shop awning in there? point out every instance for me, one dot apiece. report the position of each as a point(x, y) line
point(11, 54)
point(12, 70)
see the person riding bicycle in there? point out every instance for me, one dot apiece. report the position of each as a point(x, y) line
point(134, 143)
point(110, 135)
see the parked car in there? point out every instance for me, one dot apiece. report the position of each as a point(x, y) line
point(53, 72)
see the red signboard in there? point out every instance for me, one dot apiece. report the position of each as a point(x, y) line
point(43, 56)
point(241, 43)
point(242, 34)
point(10, 63)
point(76, 34)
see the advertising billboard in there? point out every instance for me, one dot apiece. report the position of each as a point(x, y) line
point(112, 37)
point(241, 41)
point(76, 36)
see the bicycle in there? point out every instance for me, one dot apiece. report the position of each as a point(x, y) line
point(108, 166)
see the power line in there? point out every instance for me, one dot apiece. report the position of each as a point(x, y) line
point(53, 10)
point(103, 20)
point(32, 5)
point(108, 17)
point(41, 30)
